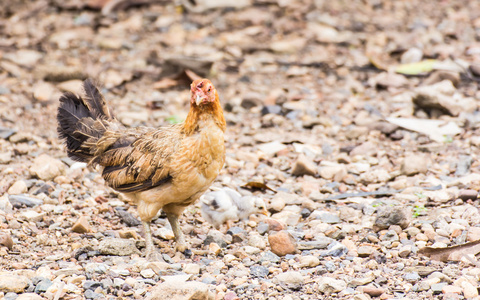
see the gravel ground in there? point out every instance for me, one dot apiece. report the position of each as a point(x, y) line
point(356, 121)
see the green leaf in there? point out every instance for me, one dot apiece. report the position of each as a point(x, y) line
point(417, 68)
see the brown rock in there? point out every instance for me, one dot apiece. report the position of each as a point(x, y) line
point(304, 166)
point(282, 243)
point(81, 226)
point(373, 291)
point(6, 240)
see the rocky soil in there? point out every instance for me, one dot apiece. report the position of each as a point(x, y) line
point(356, 121)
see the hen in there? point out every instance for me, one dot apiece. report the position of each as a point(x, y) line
point(165, 168)
point(226, 205)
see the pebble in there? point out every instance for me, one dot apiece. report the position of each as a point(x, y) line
point(191, 269)
point(328, 285)
point(414, 164)
point(46, 167)
point(451, 289)
point(19, 187)
point(81, 226)
point(27, 296)
point(272, 148)
point(185, 290)
point(6, 240)
point(114, 246)
point(13, 283)
point(147, 273)
point(304, 166)
point(282, 243)
point(292, 279)
point(365, 251)
point(215, 236)
point(373, 291)
point(43, 285)
point(309, 261)
point(19, 200)
point(259, 271)
point(389, 215)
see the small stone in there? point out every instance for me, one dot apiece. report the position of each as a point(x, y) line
point(304, 166)
point(365, 251)
point(6, 157)
point(282, 243)
point(6, 240)
point(373, 291)
point(271, 109)
point(28, 296)
point(237, 233)
point(270, 257)
point(468, 195)
point(13, 283)
point(215, 236)
point(127, 217)
point(91, 285)
point(43, 285)
point(173, 290)
point(259, 271)
point(257, 241)
point(147, 273)
point(32, 216)
point(411, 277)
point(20, 200)
point(214, 248)
point(333, 172)
point(309, 261)
point(451, 289)
point(469, 290)
point(276, 205)
point(46, 167)
point(272, 148)
point(43, 91)
point(326, 217)
point(81, 226)
point(405, 251)
point(274, 225)
point(414, 164)
point(291, 279)
point(412, 55)
point(438, 287)
point(19, 187)
point(328, 285)
point(114, 246)
point(191, 269)
point(391, 215)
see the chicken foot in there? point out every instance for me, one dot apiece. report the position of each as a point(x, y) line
point(151, 252)
point(180, 246)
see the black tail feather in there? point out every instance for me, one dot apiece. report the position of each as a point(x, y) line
point(82, 121)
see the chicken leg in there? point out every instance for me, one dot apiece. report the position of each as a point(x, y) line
point(151, 252)
point(180, 244)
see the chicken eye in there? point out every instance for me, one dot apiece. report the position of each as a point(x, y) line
point(261, 207)
point(209, 89)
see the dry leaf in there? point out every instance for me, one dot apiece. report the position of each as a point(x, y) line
point(257, 185)
point(454, 253)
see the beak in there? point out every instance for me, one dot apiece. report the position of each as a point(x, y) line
point(264, 212)
point(198, 100)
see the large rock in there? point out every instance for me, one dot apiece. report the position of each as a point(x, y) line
point(13, 283)
point(172, 290)
point(113, 246)
point(46, 167)
point(282, 243)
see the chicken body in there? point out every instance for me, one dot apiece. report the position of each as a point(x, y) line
point(166, 168)
point(225, 205)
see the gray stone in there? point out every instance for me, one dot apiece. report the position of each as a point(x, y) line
point(20, 200)
point(412, 277)
point(270, 257)
point(259, 271)
point(215, 236)
point(391, 215)
point(43, 285)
